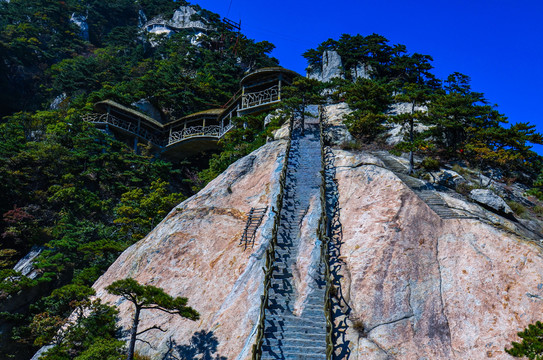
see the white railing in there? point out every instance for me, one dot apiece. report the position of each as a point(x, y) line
point(199, 131)
point(260, 97)
point(125, 125)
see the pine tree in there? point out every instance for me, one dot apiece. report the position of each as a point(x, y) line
point(531, 345)
point(147, 297)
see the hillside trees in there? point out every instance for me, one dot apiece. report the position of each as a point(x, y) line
point(416, 95)
point(148, 297)
point(74, 192)
point(66, 182)
point(458, 123)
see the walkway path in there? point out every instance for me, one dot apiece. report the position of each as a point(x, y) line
point(287, 335)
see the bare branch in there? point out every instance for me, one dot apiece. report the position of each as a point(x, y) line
point(151, 328)
point(146, 342)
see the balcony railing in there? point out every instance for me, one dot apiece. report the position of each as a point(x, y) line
point(258, 98)
point(198, 131)
point(125, 125)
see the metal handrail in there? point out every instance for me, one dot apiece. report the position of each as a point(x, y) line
point(323, 233)
point(127, 126)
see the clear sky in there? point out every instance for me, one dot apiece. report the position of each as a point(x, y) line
point(498, 43)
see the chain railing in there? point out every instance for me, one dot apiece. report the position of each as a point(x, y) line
point(125, 125)
point(268, 95)
point(323, 233)
point(270, 252)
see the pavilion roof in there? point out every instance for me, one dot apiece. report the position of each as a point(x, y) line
point(262, 72)
point(101, 106)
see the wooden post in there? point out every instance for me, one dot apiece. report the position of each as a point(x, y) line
point(279, 92)
point(137, 135)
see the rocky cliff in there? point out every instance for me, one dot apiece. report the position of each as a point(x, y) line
point(411, 283)
point(416, 286)
point(194, 253)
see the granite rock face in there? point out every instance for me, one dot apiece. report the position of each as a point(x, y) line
point(489, 198)
point(337, 132)
point(194, 253)
point(415, 286)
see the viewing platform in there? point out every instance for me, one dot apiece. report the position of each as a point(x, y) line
point(194, 133)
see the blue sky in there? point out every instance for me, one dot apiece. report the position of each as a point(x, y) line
point(498, 43)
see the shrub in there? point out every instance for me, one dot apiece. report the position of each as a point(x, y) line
point(517, 208)
point(460, 170)
point(358, 325)
point(351, 145)
point(464, 188)
point(430, 164)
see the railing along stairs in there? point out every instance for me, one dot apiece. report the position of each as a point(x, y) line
point(254, 219)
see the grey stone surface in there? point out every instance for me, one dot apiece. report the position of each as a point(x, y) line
point(58, 100)
point(361, 71)
point(337, 133)
point(448, 178)
point(81, 22)
point(491, 200)
point(146, 107)
point(25, 266)
point(182, 19)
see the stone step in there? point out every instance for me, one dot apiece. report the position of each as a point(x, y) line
point(295, 321)
point(305, 336)
point(296, 342)
point(295, 349)
point(289, 356)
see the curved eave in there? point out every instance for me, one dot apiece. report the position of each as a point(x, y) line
point(260, 73)
point(211, 113)
point(102, 107)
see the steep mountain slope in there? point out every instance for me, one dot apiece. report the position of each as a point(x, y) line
point(410, 284)
point(418, 286)
point(194, 253)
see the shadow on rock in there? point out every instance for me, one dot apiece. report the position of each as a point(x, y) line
point(202, 346)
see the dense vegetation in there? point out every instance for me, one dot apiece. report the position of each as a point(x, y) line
point(82, 197)
point(74, 191)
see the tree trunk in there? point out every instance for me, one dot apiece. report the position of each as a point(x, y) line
point(133, 334)
point(412, 140)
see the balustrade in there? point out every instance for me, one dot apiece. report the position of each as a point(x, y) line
point(260, 97)
point(125, 125)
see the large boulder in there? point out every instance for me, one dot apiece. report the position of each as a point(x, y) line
point(337, 133)
point(448, 178)
point(416, 286)
point(489, 199)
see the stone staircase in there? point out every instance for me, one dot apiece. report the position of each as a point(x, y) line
point(288, 335)
point(425, 191)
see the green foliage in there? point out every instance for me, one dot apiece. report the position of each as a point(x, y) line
point(90, 336)
point(238, 142)
point(531, 345)
point(149, 297)
point(517, 208)
point(302, 92)
point(138, 213)
point(11, 282)
point(430, 164)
